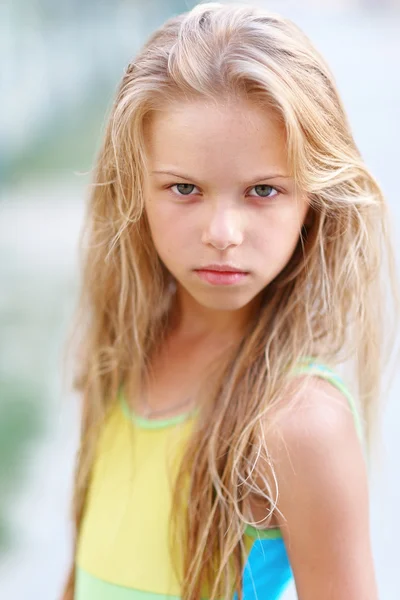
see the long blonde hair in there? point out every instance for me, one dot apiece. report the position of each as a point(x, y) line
point(327, 302)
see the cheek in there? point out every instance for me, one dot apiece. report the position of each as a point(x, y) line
point(169, 232)
point(279, 237)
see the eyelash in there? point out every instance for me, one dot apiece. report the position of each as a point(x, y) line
point(254, 186)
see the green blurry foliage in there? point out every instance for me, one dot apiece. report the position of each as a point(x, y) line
point(20, 424)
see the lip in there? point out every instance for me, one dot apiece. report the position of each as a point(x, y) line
point(221, 274)
point(222, 268)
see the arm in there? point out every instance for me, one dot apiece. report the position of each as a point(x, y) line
point(68, 591)
point(323, 497)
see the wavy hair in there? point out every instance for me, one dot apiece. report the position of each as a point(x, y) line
point(328, 302)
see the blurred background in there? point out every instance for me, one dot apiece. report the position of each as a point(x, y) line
point(60, 65)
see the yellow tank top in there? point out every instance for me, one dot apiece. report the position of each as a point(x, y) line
point(123, 551)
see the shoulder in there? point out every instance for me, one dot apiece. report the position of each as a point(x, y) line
point(315, 435)
point(322, 485)
point(315, 417)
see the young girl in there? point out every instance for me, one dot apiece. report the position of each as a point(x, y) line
point(233, 261)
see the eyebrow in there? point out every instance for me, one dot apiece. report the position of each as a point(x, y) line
point(188, 178)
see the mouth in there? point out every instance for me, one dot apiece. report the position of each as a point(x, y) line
point(221, 274)
point(222, 268)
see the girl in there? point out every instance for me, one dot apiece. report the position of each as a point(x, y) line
point(234, 249)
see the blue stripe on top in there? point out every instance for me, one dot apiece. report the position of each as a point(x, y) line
point(267, 571)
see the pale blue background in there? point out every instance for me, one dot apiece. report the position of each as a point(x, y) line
point(61, 67)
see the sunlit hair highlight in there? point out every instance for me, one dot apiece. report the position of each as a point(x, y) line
point(327, 303)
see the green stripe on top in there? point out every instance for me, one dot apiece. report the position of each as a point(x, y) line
point(89, 587)
point(145, 423)
point(263, 534)
point(307, 366)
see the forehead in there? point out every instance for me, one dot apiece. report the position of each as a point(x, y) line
point(222, 139)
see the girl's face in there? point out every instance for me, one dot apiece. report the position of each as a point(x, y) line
point(220, 200)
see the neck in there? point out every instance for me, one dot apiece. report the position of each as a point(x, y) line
point(189, 318)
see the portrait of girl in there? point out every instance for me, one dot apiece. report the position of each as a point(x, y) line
point(232, 264)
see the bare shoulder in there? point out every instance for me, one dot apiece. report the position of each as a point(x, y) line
point(322, 506)
point(317, 418)
point(314, 445)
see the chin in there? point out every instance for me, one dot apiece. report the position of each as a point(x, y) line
point(224, 302)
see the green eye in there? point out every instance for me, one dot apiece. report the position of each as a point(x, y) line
point(184, 189)
point(265, 191)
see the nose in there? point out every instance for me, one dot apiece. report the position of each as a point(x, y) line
point(223, 228)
